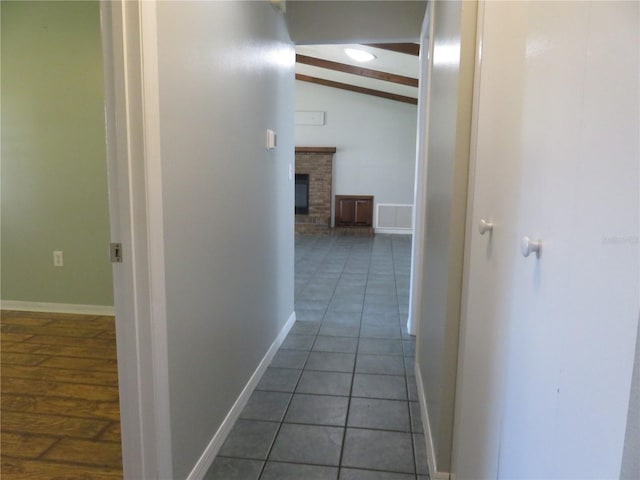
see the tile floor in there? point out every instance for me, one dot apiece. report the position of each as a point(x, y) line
point(339, 400)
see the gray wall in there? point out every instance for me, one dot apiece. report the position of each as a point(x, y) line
point(226, 75)
point(449, 126)
point(354, 21)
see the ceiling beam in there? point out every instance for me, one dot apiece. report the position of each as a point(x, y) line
point(408, 48)
point(363, 72)
point(353, 88)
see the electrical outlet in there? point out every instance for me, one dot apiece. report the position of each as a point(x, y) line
point(58, 259)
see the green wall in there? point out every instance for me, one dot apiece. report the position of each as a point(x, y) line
point(53, 170)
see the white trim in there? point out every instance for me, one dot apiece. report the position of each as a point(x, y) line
point(428, 437)
point(57, 307)
point(393, 231)
point(420, 187)
point(206, 459)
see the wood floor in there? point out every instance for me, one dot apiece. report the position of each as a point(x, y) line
point(60, 416)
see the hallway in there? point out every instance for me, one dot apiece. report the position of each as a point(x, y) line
point(339, 400)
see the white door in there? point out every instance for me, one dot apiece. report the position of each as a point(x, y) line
point(548, 343)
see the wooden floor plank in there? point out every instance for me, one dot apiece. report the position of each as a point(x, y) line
point(62, 350)
point(51, 330)
point(7, 337)
point(93, 364)
point(59, 375)
point(51, 425)
point(61, 406)
point(84, 451)
point(94, 322)
point(111, 433)
point(19, 320)
point(58, 389)
point(22, 359)
point(25, 446)
point(17, 469)
point(71, 341)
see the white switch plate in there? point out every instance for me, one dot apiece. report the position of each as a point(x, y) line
point(272, 141)
point(58, 259)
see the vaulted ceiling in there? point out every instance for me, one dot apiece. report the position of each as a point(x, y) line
point(390, 30)
point(392, 74)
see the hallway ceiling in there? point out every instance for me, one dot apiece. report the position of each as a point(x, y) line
point(393, 74)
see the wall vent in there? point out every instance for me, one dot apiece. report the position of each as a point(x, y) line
point(394, 218)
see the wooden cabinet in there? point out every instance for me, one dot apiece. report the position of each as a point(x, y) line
point(354, 211)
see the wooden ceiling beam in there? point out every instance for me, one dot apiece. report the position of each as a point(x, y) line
point(408, 48)
point(353, 88)
point(363, 72)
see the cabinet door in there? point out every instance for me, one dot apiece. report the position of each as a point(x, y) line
point(346, 211)
point(363, 212)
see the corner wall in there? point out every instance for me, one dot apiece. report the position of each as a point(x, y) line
point(54, 174)
point(447, 164)
point(225, 77)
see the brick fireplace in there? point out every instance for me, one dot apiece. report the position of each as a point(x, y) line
point(314, 165)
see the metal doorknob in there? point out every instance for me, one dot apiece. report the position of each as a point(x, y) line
point(485, 227)
point(528, 246)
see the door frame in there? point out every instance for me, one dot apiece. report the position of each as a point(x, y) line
point(129, 43)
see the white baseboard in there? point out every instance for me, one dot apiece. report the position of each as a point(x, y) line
point(206, 459)
point(393, 231)
point(57, 307)
point(431, 453)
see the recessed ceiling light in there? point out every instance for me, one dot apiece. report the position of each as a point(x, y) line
point(359, 55)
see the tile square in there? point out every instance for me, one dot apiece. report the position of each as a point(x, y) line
point(309, 315)
point(339, 330)
point(381, 364)
point(346, 305)
point(324, 383)
point(409, 347)
point(298, 342)
point(343, 318)
point(378, 450)
point(268, 406)
point(290, 359)
point(249, 439)
point(292, 471)
point(305, 328)
point(308, 444)
point(382, 308)
point(369, 318)
point(279, 379)
point(357, 474)
point(381, 331)
point(380, 346)
point(420, 453)
point(412, 388)
point(224, 468)
point(335, 344)
point(379, 386)
point(318, 410)
point(331, 362)
point(379, 414)
point(416, 417)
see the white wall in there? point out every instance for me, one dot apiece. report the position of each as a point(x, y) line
point(225, 76)
point(443, 227)
point(375, 140)
point(548, 342)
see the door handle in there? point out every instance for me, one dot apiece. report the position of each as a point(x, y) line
point(528, 246)
point(485, 227)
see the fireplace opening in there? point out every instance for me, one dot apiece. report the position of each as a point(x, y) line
point(302, 194)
